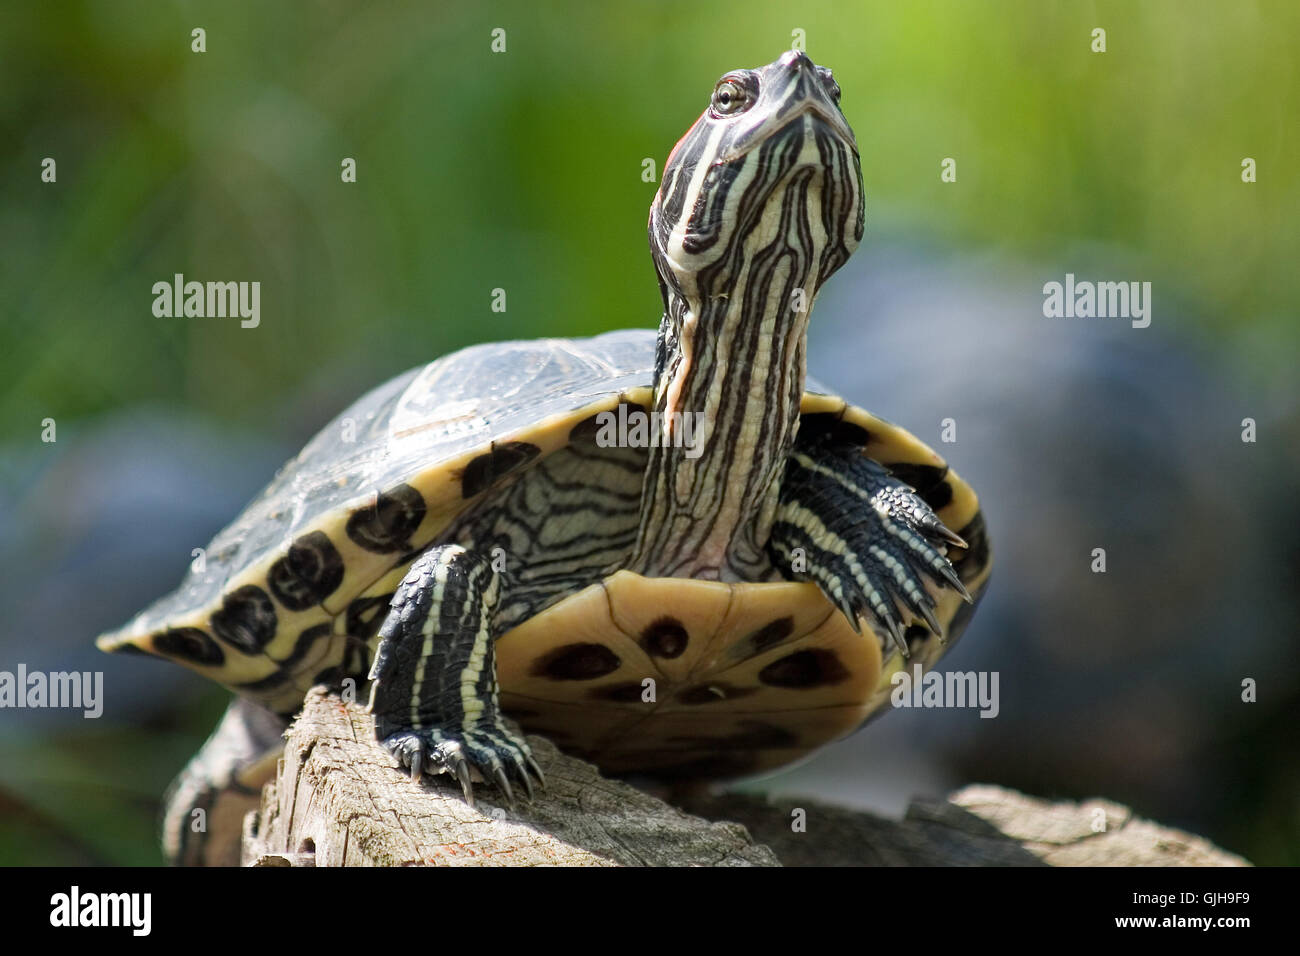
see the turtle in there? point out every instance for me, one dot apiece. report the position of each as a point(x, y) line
point(671, 552)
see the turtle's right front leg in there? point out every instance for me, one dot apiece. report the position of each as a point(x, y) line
point(434, 694)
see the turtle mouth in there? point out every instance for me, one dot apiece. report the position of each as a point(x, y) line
point(832, 118)
point(822, 114)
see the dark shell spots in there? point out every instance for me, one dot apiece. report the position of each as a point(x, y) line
point(804, 669)
point(577, 662)
point(768, 635)
point(928, 480)
point(246, 620)
point(387, 525)
point(484, 471)
point(189, 644)
point(976, 558)
point(585, 432)
point(290, 666)
point(830, 426)
point(365, 615)
point(666, 638)
point(916, 636)
point(311, 572)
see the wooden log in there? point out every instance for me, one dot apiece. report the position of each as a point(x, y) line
point(979, 825)
point(340, 800)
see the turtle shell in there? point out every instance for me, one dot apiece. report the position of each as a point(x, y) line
point(293, 592)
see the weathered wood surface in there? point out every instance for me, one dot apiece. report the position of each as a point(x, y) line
point(339, 800)
point(979, 825)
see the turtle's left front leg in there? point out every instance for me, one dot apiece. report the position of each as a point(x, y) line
point(434, 695)
point(864, 536)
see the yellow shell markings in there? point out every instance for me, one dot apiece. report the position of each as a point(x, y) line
point(769, 670)
point(605, 717)
point(813, 715)
point(439, 487)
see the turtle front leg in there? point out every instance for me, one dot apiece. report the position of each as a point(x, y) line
point(865, 537)
point(434, 691)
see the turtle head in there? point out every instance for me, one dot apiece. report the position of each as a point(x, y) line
point(766, 184)
point(761, 201)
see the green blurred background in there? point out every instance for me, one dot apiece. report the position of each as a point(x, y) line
point(522, 171)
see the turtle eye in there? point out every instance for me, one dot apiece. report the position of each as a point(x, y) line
point(729, 98)
point(828, 80)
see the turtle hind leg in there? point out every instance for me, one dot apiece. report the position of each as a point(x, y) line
point(866, 538)
point(204, 809)
point(434, 692)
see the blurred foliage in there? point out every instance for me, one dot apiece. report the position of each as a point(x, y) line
point(523, 171)
point(91, 796)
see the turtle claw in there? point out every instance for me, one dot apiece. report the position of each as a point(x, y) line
point(953, 537)
point(928, 524)
point(954, 582)
point(537, 772)
point(491, 749)
point(931, 621)
point(466, 783)
point(896, 632)
point(881, 550)
point(852, 611)
point(528, 785)
point(521, 766)
point(503, 784)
